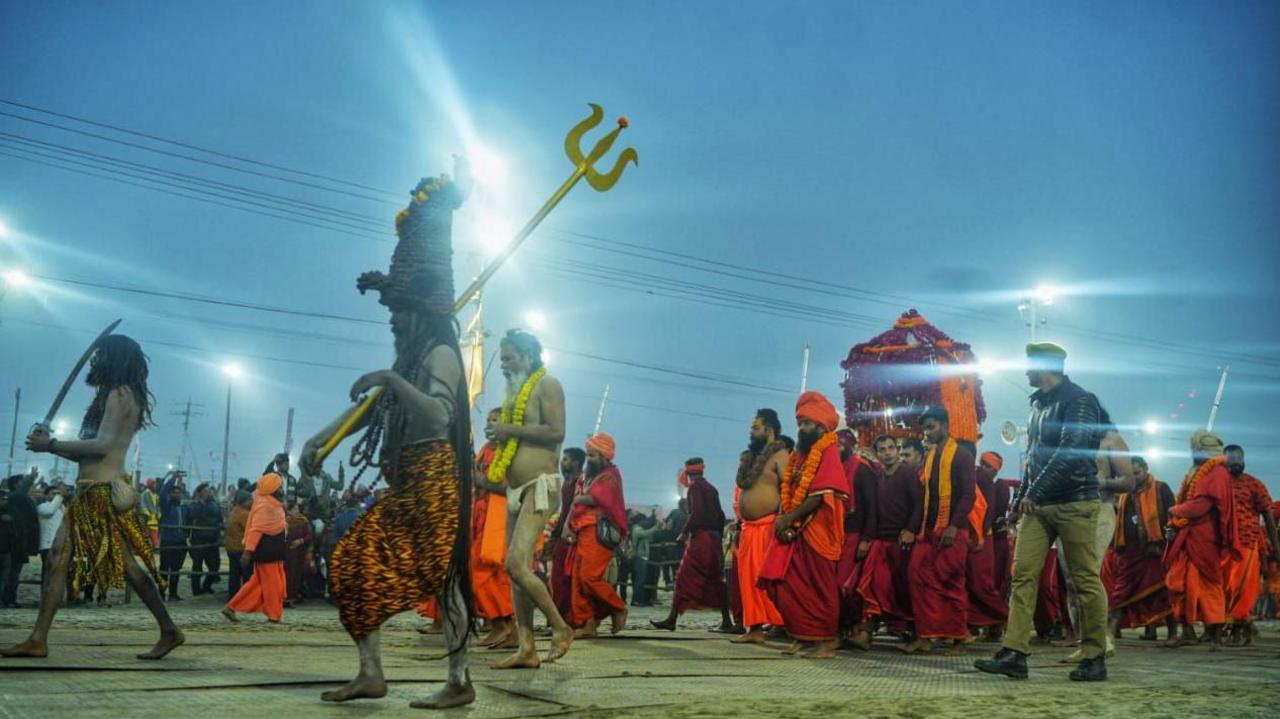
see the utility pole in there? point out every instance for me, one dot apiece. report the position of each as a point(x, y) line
point(226, 439)
point(288, 432)
point(188, 410)
point(600, 415)
point(13, 436)
point(804, 373)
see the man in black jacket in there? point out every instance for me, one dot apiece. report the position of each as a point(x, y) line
point(1058, 499)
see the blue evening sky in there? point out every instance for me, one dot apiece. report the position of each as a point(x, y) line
point(947, 156)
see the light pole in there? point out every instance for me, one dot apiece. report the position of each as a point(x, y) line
point(1032, 309)
point(13, 437)
point(232, 371)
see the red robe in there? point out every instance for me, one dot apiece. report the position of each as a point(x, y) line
point(860, 521)
point(1206, 532)
point(1051, 597)
point(1244, 575)
point(700, 578)
point(800, 577)
point(1137, 593)
point(592, 597)
point(939, 597)
point(562, 552)
point(880, 580)
point(987, 605)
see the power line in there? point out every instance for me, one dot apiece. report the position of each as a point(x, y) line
point(189, 146)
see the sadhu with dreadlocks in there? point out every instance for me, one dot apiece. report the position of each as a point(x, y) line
point(412, 544)
point(102, 538)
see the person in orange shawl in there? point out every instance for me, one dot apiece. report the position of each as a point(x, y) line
point(987, 606)
point(598, 521)
point(700, 579)
point(760, 473)
point(264, 546)
point(939, 598)
point(1204, 531)
point(1137, 596)
point(1244, 575)
point(799, 570)
point(490, 584)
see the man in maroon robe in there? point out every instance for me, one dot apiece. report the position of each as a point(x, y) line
point(1137, 596)
point(700, 579)
point(571, 464)
point(799, 570)
point(863, 476)
point(939, 598)
point(987, 606)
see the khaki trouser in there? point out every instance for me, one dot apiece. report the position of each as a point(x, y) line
point(1075, 524)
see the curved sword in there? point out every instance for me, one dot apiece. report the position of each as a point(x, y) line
point(75, 372)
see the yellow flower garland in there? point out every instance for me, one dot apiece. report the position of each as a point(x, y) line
point(513, 414)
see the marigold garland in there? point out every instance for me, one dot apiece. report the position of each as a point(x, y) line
point(513, 414)
point(801, 476)
point(1188, 488)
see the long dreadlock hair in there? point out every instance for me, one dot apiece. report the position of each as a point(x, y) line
point(118, 362)
point(427, 332)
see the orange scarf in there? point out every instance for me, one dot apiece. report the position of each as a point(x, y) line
point(944, 484)
point(1148, 510)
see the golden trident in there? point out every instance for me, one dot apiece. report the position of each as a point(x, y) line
point(583, 166)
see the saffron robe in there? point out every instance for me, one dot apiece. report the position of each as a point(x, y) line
point(1244, 575)
point(592, 597)
point(800, 576)
point(1206, 532)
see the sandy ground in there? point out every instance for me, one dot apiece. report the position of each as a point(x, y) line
point(279, 670)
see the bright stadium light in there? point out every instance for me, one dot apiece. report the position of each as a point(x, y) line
point(234, 371)
point(1046, 294)
point(16, 278)
point(1153, 454)
point(536, 320)
point(1151, 426)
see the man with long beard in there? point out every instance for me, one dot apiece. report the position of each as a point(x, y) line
point(1244, 575)
point(1137, 597)
point(799, 570)
point(101, 542)
point(760, 471)
point(939, 598)
point(529, 434)
point(598, 524)
point(411, 545)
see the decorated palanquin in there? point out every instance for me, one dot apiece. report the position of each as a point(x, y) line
point(892, 378)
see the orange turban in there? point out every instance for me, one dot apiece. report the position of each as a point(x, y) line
point(268, 483)
point(603, 444)
point(993, 459)
point(818, 409)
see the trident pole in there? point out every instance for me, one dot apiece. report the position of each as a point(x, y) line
point(1217, 399)
point(600, 415)
point(804, 374)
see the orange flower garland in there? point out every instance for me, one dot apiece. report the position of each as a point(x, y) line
point(801, 476)
point(1188, 489)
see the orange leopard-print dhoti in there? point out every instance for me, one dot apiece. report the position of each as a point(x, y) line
point(398, 553)
point(99, 535)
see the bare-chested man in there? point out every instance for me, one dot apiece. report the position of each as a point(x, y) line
point(410, 545)
point(760, 471)
point(532, 476)
point(104, 542)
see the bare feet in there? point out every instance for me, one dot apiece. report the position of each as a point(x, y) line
point(957, 649)
point(449, 696)
point(861, 640)
point(919, 646)
point(585, 633)
point(822, 650)
point(793, 649)
point(166, 644)
point(502, 638)
point(755, 636)
point(230, 614)
point(435, 628)
point(359, 688)
point(520, 660)
point(664, 624)
point(618, 622)
point(29, 648)
point(560, 642)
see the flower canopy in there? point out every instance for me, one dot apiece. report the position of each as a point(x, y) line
point(892, 378)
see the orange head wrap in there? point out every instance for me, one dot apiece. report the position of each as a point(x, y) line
point(603, 444)
point(815, 407)
point(268, 483)
point(992, 459)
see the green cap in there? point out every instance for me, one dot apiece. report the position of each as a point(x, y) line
point(1046, 356)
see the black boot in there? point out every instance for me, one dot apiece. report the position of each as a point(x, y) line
point(1009, 662)
point(1090, 670)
